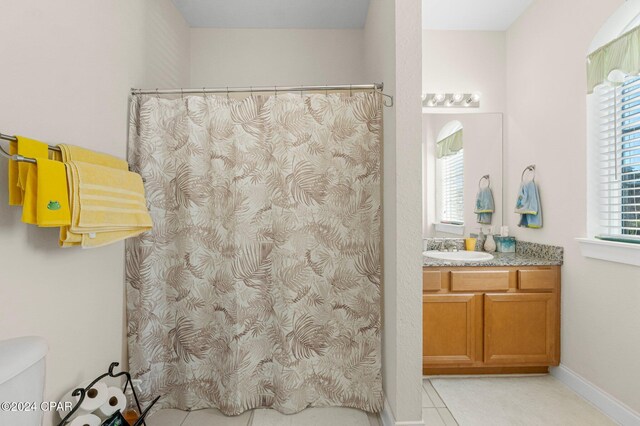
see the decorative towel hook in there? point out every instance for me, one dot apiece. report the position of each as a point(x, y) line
point(483, 178)
point(532, 169)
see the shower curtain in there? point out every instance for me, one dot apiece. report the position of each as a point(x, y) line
point(259, 285)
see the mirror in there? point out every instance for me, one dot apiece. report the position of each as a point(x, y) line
point(458, 151)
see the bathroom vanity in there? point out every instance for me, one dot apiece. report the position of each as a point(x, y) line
point(499, 316)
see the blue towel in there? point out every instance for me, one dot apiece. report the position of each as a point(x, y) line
point(484, 206)
point(528, 206)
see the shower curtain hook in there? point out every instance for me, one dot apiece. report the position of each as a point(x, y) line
point(204, 94)
point(350, 90)
point(182, 93)
point(326, 90)
point(275, 90)
point(157, 95)
point(227, 92)
point(302, 91)
point(251, 91)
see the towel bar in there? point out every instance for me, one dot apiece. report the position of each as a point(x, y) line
point(16, 157)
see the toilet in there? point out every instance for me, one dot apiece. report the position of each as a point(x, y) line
point(22, 372)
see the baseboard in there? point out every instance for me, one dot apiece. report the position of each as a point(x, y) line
point(610, 406)
point(387, 418)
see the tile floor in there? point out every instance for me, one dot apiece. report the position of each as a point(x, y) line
point(542, 394)
point(330, 416)
point(434, 410)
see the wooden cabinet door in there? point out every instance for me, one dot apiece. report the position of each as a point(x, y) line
point(451, 325)
point(521, 329)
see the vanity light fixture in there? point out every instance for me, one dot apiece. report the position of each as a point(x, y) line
point(473, 99)
point(451, 100)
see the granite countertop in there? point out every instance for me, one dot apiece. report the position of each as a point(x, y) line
point(527, 254)
point(499, 259)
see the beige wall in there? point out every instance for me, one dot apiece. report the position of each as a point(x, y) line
point(546, 126)
point(268, 57)
point(466, 61)
point(392, 46)
point(66, 77)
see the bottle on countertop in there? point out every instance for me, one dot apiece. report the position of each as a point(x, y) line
point(490, 244)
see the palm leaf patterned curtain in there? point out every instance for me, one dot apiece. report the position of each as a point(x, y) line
point(259, 285)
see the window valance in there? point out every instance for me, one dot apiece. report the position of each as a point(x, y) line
point(449, 145)
point(621, 54)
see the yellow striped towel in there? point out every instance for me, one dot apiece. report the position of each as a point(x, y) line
point(76, 153)
point(107, 205)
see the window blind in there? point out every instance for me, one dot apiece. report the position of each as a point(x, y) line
point(619, 161)
point(451, 172)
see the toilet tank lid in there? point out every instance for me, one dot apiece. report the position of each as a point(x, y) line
point(17, 355)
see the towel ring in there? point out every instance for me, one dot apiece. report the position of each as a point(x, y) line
point(532, 169)
point(483, 178)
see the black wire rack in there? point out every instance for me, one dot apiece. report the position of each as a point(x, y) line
point(82, 392)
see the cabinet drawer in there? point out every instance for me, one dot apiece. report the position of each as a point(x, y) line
point(431, 281)
point(479, 280)
point(537, 279)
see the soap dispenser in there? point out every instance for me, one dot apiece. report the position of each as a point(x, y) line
point(490, 243)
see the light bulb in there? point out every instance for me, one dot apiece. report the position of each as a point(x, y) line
point(457, 97)
point(438, 97)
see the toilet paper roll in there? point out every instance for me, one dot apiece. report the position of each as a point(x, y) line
point(115, 401)
point(94, 398)
point(86, 420)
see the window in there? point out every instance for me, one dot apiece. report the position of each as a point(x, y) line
point(450, 178)
point(613, 154)
point(619, 161)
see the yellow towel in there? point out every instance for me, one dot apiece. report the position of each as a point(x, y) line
point(15, 193)
point(55, 155)
point(53, 198)
point(107, 205)
point(33, 149)
point(75, 153)
point(30, 197)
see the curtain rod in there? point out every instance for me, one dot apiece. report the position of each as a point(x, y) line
point(262, 89)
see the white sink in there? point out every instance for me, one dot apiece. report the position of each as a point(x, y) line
point(460, 256)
